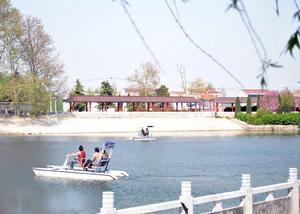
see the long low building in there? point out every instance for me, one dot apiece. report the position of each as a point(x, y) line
point(156, 103)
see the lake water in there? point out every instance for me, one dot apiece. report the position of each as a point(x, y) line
point(212, 164)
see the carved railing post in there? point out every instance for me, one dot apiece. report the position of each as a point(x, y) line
point(270, 196)
point(247, 190)
point(186, 198)
point(294, 192)
point(108, 203)
point(217, 206)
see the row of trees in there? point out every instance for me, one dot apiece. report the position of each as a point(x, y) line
point(282, 102)
point(30, 69)
point(147, 80)
point(106, 89)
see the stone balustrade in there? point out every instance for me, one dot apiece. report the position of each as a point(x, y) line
point(288, 204)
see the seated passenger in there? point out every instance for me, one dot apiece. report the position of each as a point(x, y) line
point(102, 162)
point(147, 132)
point(80, 159)
point(94, 160)
point(142, 132)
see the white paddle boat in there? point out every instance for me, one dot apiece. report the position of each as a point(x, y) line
point(100, 172)
point(145, 136)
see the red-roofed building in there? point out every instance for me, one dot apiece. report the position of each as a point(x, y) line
point(254, 92)
point(208, 94)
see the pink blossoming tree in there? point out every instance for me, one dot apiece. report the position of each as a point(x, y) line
point(270, 102)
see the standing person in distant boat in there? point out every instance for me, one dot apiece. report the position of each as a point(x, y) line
point(80, 157)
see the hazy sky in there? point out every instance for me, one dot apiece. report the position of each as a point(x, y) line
point(96, 41)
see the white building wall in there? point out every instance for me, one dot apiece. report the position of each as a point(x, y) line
point(66, 107)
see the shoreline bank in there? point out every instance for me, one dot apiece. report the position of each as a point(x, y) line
point(127, 125)
point(182, 134)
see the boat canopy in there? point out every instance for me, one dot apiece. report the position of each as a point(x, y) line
point(108, 147)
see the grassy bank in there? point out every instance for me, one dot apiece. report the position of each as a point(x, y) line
point(264, 117)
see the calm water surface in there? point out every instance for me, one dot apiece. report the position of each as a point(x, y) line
point(212, 164)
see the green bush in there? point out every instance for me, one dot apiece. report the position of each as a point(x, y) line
point(240, 116)
point(264, 117)
point(237, 106)
point(260, 112)
point(259, 121)
point(248, 118)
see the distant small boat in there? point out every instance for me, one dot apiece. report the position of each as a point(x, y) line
point(96, 173)
point(141, 137)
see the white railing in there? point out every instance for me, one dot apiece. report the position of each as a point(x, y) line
point(186, 201)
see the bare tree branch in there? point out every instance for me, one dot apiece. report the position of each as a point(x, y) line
point(124, 3)
point(198, 47)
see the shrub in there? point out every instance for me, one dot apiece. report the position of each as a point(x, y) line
point(248, 118)
point(265, 117)
point(259, 121)
point(262, 111)
point(241, 116)
point(286, 100)
point(237, 105)
point(249, 106)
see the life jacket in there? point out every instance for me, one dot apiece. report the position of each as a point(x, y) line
point(81, 157)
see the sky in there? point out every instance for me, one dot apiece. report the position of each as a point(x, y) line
point(97, 42)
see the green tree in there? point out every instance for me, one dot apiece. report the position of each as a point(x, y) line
point(237, 106)
point(257, 102)
point(287, 100)
point(106, 90)
point(40, 58)
point(146, 79)
point(37, 94)
point(78, 91)
point(11, 32)
point(279, 109)
point(5, 9)
point(162, 91)
point(5, 95)
point(129, 106)
point(249, 106)
point(28, 59)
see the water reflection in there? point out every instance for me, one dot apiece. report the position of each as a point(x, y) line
point(213, 165)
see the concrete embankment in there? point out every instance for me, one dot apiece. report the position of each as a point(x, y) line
point(129, 123)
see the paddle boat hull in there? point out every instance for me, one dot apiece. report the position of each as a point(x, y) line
point(99, 172)
point(60, 172)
